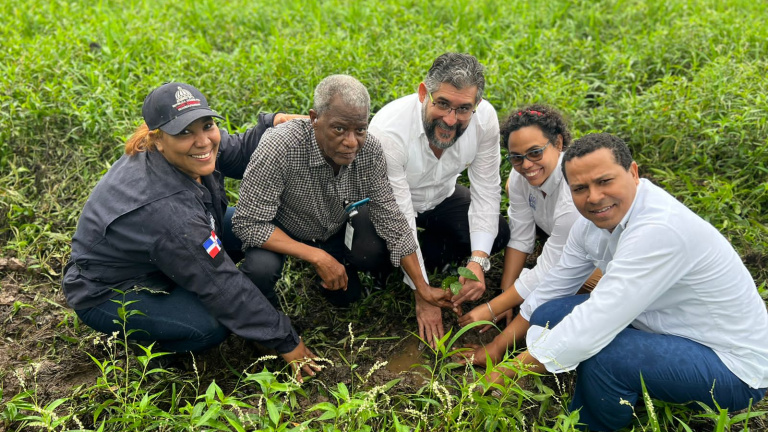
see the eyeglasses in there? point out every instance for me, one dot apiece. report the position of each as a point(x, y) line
point(532, 155)
point(444, 109)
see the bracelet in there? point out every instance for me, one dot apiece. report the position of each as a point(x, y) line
point(491, 310)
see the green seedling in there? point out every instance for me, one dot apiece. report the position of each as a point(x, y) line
point(468, 274)
point(452, 282)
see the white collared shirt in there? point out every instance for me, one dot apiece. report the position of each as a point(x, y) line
point(665, 271)
point(421, 181)
point(554, 214)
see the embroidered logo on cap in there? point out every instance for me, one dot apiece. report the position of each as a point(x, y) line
point(212, 245)
point(185, 99)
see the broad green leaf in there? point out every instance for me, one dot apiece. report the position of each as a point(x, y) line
point(468, 274)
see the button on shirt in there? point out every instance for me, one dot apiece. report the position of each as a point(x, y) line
point(554, 214)
point(665, 271)
point(289, 182)
point(421, 181)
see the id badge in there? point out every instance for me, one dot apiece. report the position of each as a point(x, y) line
point(348, 235)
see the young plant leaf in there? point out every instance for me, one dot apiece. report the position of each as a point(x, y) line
point(448, 281)
point(468, 274)
point(455, 287)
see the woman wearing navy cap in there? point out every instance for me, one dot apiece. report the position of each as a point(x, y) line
point(153, 235)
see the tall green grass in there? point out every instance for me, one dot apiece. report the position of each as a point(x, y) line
point(682, 82)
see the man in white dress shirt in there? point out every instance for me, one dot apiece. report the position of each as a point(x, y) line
point(676, 308)
point(429, 138)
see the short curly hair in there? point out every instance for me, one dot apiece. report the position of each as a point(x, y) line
point(351, 91)
point(596, 141)
point(546, 118)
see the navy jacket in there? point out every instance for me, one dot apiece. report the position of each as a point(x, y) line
point(148, 225)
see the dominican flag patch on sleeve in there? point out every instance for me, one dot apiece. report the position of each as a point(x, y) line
point(212, 245)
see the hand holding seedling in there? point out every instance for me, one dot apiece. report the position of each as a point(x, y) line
point(301, 358)
point(429, 302)
point(472, 281)
point(332, 272)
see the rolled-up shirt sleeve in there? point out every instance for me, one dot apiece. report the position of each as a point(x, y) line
point(260, 190)
point(626, 289)
point(485, 182)
point(181, 253)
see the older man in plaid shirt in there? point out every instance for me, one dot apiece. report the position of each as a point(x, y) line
point(296, 188)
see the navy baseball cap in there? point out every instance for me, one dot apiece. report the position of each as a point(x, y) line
point(174, 106)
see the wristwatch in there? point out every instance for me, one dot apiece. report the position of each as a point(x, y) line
point(485, 263)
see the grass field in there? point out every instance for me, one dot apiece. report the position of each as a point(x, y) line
point(684, 83)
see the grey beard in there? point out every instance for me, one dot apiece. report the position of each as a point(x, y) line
point(432, 138)
point(429, 128)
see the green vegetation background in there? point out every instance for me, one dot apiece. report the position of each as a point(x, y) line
point(683, 82)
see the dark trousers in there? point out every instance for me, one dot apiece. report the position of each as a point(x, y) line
point(445, 236)
point(369, 254)
point(176, 321)
point(674, 369)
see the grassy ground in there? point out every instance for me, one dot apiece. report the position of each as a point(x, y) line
point(683, 82)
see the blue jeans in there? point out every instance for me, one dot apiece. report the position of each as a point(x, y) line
point(674, 369)
point(177, 321)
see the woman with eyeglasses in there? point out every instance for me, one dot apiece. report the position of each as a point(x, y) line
point(535, 137)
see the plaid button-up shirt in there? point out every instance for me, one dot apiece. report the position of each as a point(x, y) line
point(288, 182)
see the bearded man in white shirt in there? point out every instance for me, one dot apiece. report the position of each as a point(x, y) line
point(429, 138)
point(676, 309)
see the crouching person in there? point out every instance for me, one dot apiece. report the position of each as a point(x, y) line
point(675, 309)
point(296, 195)
point(156, 228)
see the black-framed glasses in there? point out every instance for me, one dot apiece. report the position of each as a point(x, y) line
point(444, 109)
point(534, 155)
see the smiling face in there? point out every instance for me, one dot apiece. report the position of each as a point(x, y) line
point(602, 189)
point(531, 138)
point(193, 150)
point(444, 129)
point(340, 132)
